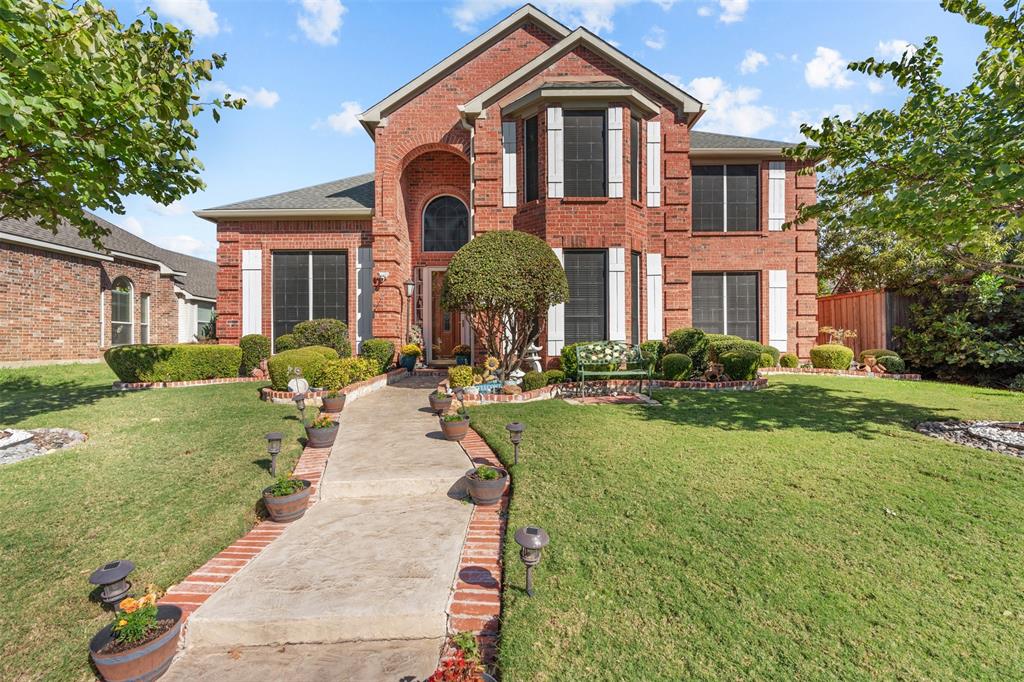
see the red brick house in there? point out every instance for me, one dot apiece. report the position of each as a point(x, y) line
point(534, 127)
point(63, 299)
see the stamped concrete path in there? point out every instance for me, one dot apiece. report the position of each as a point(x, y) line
point(357, 589)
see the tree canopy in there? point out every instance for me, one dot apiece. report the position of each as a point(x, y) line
point(92, 110)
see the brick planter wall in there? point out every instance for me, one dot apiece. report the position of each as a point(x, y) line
point(146, 385)
point(839, 372)
point(351, 392)
point(611, 385)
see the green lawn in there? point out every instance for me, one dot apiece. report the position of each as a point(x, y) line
point(167, 479)
point(800, 532)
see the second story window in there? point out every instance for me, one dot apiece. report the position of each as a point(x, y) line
point(725, 198)
point(585, 153)
point(634, 158)
point(530, 160)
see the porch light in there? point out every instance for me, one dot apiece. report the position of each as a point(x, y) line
point(273, 449)
point(113, 578)
point(300, 402)
point(410, 288)
point(515, 434)
point(532, 541)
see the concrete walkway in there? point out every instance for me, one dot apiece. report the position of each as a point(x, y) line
point(358, 588)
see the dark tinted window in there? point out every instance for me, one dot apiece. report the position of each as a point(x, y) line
point(708, 303)
point(708, 194)
point(725, 198)
point(530, 162)
point(445, 225)
point(741, 198)
point(330, 286)
point(726, 303)
point(300, 276)
point(291, 290)
point(586, 312)
point(634, 158)
point(584, 153)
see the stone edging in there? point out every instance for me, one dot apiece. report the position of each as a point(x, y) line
point(839, 372)
point(146, 385)
point(623, 385)
point(351, 391)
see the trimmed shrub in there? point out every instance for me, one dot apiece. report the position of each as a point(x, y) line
point(310, 360)
point(719, 345)
point(789, 361)
point(774, 352)
point(692, 342)
point(324, 332)
point(554, 376)
point(285, 342)
point(534, 380)
point(380, 351)
point(765, 360)
point(893, 363)
point(411, 349)
point(740, 365)
point(879, 353)
point(831, 356)
point(342, 372)
point(173, 362)
point(653, 351)
point(569, 362)
point(676, 367)
point(460, 376)
point(255, 348)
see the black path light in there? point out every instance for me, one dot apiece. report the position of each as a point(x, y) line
point(515, 433)
point(532, 540)
point(274, 449)
point(113, 578)
point(300, 402)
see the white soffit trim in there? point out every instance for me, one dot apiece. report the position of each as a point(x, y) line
point(274, 213)
point(49, 246)
point(164, 269)
point(554, 92)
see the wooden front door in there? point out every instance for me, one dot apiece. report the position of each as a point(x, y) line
point(445, 326)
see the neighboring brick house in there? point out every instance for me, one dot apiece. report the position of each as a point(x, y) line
point(62, 298)
point(535, 127)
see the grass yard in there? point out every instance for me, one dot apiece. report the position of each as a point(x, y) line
point(167, 479)
point(801, 532)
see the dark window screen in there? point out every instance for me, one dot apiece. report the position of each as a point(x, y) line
point(445, 225)
point(726, 304)
point(530, 163)
point(293, 280)
point(708, 303)
point(634, 158)
point(634, 311)
point(741, 305)
point(330, 279)
point(586, 312)
point(708, 188)
point(741, 198)
point(584, 153)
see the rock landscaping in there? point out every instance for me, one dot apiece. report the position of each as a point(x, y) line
point(1004, 437)
point(17, 444)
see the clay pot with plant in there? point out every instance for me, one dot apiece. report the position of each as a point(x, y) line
point(455, 425)
point(140, 642)
point(440, 401)
point(287, 499)
point(410, 355)
point(321, 432)
point(486, 484)
point(333, 402)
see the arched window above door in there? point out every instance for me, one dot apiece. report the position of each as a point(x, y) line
point(445, 224)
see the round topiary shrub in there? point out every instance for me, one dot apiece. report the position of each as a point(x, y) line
point(554, 376)
point(324, 332)
point(774, 352)
point(831, 356)
point(380, 351)
point(765, 360)
point(719, 344)
point(310, 361)
point(676, 367)
point(692, 342)
point(460, 376)
point(878, 353)
point(344, 371)
point(534, 380)
point(285, 342)
point(893, 363)
point(740, 365)
point(255, 348)
point(789, 361)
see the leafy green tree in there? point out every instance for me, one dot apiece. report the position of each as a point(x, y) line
point(92, 110)
point(942, 178)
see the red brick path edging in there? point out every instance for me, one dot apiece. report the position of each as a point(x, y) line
point(145, 385)
point(839, 372)
point(355, 390)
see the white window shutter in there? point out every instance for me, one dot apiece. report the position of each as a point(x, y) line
point(556, 154)
point(776, 195)
point(252, 291)
point(508, 163)
point(778, 308)
point(615, 152)
point(616, 294)
point(654, 163)
point(556, 320)
point(364, 295)
point(655, 306)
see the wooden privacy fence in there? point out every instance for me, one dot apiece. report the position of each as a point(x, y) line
point(872, 313)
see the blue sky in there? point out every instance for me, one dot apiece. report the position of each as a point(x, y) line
point(309, 66)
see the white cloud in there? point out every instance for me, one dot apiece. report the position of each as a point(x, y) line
point(192, 14)
point(133, 225)
point(260, 98)
point(733, 10)
point(814, 117)
point(704, 11)
point(876, 87)
point(752, 61)
point(320, 20)
point(596, 15)
point(184, 243)
point(344, 121)
point(733, 111)
point(172, 209)
point(827, 70)
point(894, 49)
point(655, 38)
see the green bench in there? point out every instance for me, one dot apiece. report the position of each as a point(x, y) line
point(612, 360)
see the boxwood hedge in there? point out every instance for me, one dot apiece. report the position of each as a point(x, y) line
point(831, 356)
point(676, 366)
point(310, 360)
point(380, 351)
point(255, 348)
point(740, 365)
point(173, 362)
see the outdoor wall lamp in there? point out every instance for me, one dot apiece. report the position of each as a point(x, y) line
point(515, 433)
point(380, 278)
point(410, 288)
point(300, 402)
point(532, 540)
point(113, 578)
point(273, 449)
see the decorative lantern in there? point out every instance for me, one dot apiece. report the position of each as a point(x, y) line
point(300, 402)
point(113, 578)
point(515, 433)
point(532, 541)
point(273, 449)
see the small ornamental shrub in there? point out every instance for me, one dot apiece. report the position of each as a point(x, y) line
point(534, 380)
point(789, 361)
point(310, 361)
point(569, 362)
point(135, 619)
point(173, 362)
point(487, 473)
point(774, 352)
point(554, 376)
point(831, 356)
point(460, 376)
point(692, 342)
point(718, 345)
point(411, 349)
point(324, 332)
point(342, 372)
point(285, 485)
point(740, 365)
point(893, 363)
point(676, 367)
point(653, 351)
point(380, 351)
point(878, 353)
point(765, 360)
point(255, 348)
point(285, 342)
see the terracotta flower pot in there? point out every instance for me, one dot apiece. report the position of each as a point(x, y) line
point(145, 662)
point(487, 492)
point(440, 405)
point(288, 507)
point(321, 438)
point(335, 404)
point(455, 430)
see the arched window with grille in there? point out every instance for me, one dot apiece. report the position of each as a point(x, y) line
point(445, 224)
point(122, 312)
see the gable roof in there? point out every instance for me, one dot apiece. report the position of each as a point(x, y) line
point(345, 198)
point(524, 15)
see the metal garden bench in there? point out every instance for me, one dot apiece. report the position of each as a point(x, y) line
point(612, 360)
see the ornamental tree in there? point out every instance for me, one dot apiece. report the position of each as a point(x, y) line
point(944, 173)
point(504, 282)
point(92, 110)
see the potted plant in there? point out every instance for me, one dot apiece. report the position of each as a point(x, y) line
point(140, 642)
point(410, 354)
point(320, 432)
point(287, 499)
point(455, 425)
point(462, 353)
point(486, 484)
point(440, 401)
point(464, 664)
point(333, 402)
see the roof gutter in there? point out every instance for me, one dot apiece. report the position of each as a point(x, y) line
point(734, 152)
point(164, 269)
point(216, 214)
point(50, 246)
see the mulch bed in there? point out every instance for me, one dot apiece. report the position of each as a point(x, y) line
point(116, 647)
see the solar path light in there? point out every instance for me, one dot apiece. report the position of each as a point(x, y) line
point(113, 578)
point(273, 449)
point(300, 402)
point(532, 541)
point(515, 433)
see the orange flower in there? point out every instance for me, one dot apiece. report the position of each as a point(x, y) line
point(129, 605)
point(148, 600)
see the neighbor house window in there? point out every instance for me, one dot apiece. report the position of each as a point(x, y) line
point(144, 318)
point(725, 198)
point(634, 158)
point(585, 154)
point(726, 303)
point(586, 312)
point(204, 319)
point(122, 318)
point(445, 224)
point(309, 285)
point(531, 164)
